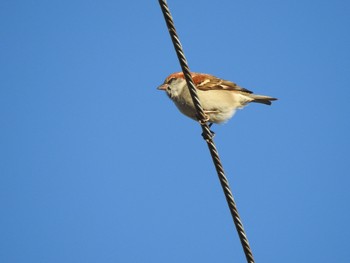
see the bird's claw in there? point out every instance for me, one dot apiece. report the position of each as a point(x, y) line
point(205, 120)
point(212, 134)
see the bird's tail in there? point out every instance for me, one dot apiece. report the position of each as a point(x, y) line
point(261, 99)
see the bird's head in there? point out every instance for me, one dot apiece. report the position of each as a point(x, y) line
point(173, 85)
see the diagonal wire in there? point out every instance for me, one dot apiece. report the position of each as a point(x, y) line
point(207, 135)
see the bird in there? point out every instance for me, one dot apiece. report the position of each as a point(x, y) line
point(219, 98)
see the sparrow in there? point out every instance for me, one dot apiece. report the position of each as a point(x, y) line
point(219, 98)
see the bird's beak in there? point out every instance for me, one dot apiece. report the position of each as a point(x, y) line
point(162, 87)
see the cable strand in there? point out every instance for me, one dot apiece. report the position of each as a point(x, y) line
point(207, 134)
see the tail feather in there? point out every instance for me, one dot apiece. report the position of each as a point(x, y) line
point(261, 99)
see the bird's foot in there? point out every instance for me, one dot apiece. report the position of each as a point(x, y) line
point(205, 120)
point(212, 134)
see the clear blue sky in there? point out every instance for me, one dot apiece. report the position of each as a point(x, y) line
point(96, 165)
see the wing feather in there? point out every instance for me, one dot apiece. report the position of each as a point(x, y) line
point(207, 82)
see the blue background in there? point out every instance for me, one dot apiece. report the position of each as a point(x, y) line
point(98, 166)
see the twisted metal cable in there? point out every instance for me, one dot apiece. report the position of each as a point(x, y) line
point(207, 134)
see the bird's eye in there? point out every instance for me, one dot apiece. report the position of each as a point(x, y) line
point(171, 80)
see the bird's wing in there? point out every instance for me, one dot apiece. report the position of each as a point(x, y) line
point(207, 82)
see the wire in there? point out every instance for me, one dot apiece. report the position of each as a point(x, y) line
point(207, 134)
